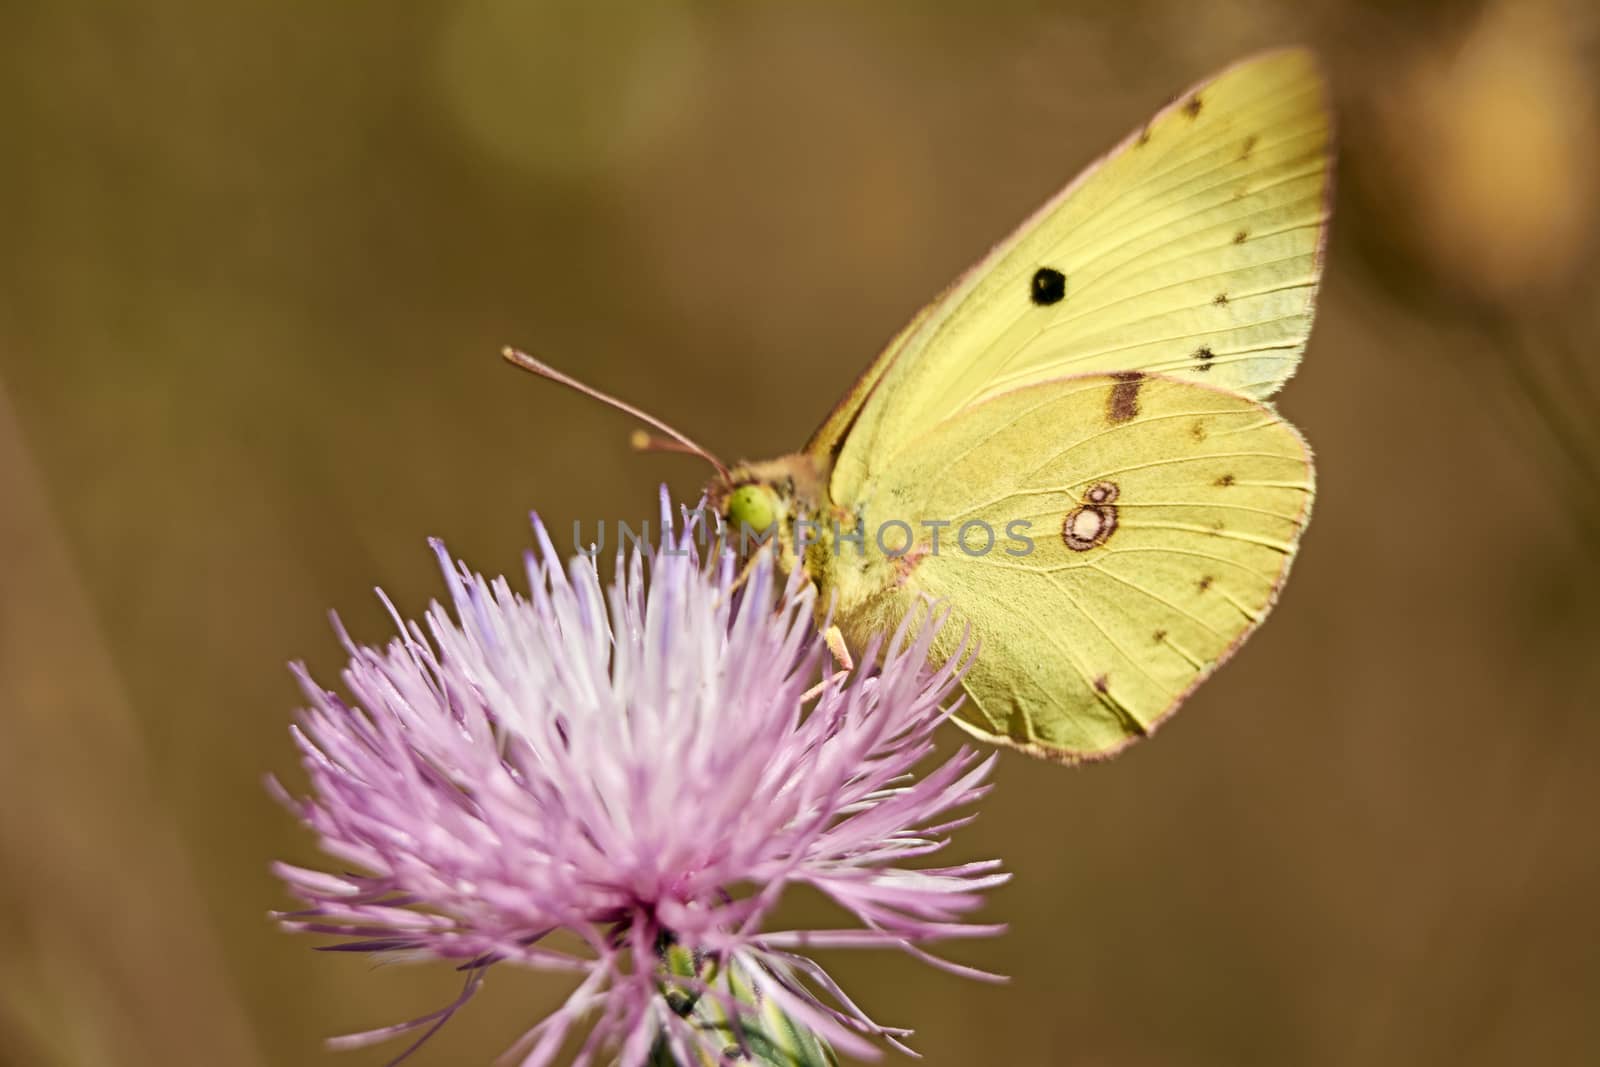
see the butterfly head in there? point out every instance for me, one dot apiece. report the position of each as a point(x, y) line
point(760, 504)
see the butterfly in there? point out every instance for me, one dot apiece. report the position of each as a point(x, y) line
point(1073, 447)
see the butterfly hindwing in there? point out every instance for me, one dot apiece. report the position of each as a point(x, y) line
point(1162, 515)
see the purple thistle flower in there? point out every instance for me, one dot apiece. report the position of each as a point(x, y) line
point(642, 768)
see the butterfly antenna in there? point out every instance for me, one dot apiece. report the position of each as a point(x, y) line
point(670, 441)
point(645, 441)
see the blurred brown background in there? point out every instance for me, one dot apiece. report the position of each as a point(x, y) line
point(258, 259)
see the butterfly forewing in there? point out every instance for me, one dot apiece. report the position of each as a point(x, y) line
point(1193, 250)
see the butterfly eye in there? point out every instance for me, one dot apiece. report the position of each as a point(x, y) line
point(752, 507)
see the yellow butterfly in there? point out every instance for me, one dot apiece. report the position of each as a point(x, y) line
point(1073, 447)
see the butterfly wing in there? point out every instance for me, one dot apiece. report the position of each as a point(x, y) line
point(1192, 249)
point(1162, 515)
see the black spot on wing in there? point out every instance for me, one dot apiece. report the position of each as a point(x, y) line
point(1203, 357)
point(1048, 286)
point(1192, 106)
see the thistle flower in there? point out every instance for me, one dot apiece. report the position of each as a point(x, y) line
point(621, 782)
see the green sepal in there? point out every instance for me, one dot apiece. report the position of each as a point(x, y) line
point(760, 1034)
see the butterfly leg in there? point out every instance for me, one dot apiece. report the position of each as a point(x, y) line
point(834, 639)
